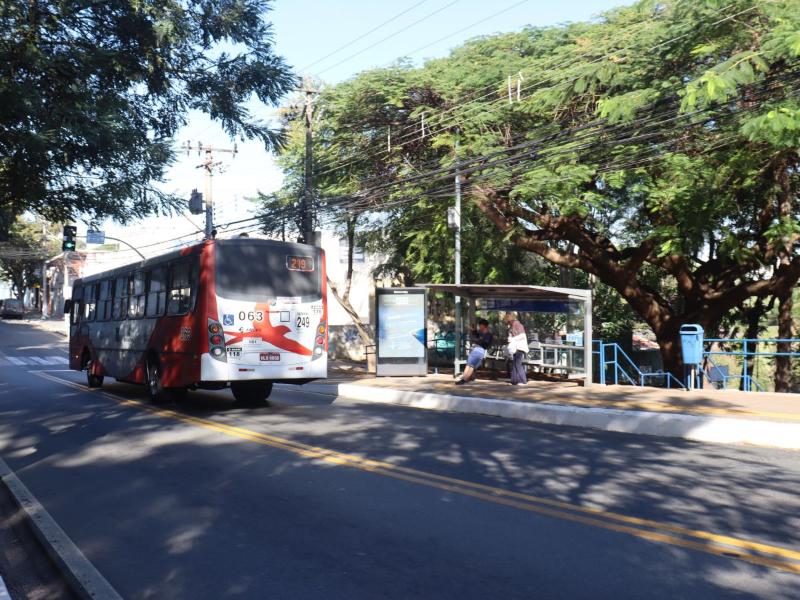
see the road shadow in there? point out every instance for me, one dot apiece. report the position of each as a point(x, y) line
point(197, 491)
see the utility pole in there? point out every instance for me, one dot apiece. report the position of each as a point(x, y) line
point(458, 218)
point(209, 165)
point(458, 253)
point(308, 207)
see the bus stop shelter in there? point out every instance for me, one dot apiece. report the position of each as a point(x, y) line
point(566, 312)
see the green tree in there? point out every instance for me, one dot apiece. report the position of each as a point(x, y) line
point(353, 147)
point(92, 94)
point(29, 243)
point(654, 149)
point(716, 211)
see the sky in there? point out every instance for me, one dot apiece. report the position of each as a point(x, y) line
point(327, 39)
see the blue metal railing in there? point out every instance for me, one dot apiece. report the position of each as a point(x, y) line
point(724, 377)
point(615, 366)
point(749, 348)
point(623, 367)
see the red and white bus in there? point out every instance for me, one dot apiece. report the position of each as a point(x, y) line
point(242, 312)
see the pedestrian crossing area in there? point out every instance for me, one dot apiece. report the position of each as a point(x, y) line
point(32, 361)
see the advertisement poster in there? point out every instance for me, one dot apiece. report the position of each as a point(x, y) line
point(402, 327)
point(401, 330)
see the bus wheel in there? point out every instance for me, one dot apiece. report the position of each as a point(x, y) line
point(92, 380)
point(155, 389)
point(251, 392)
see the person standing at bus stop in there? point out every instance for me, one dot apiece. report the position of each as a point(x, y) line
point(517, 349)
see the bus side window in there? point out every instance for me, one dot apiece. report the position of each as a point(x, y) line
point(137, 296)
point(77, 305)
point(180, 288)
point(120, 297)
point(157, 292)
point(104, 300)
point(89, 302)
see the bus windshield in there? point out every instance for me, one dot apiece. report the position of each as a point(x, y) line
point(260, 269)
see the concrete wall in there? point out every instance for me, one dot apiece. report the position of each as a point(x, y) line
point(362, 292)
point(344, 341)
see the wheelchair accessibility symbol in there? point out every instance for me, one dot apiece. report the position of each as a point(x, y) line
point(227, 320)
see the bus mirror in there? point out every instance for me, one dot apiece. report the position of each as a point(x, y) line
point(67, 306)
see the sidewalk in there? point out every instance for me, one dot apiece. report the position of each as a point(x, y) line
point(764, 419)
point(53, 325)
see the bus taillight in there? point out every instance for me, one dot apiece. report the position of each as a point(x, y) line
point(319, 342)
point(216, 340)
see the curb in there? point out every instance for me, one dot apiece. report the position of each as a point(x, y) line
point(39, 324)
point(699, 428)
point(84, 579)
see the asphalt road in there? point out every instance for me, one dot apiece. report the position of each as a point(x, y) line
point(317, 497)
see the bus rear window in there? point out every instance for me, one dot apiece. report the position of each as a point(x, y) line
point(255, 271)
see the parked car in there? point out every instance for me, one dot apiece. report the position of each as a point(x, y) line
point(12, 308)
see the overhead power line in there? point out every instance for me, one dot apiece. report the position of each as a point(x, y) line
point(644, 157)
point(413, 134)
point(470, 26)
point(594, 136)
point(363, 35)
point(569, 145)
point(615, 53)
point(412, 131)
point(388, 37)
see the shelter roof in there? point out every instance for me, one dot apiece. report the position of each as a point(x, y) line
point(528, 292)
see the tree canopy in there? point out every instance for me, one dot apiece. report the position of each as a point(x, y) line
point(92, 93)
point(29, 243)
point(655, 148)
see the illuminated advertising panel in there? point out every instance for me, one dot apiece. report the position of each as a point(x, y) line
point(401, 340)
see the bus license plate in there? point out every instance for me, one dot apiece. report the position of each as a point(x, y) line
point(269, 356)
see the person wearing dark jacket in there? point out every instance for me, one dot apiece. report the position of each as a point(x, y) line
point(481, 339)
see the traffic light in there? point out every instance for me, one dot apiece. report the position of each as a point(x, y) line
point(196, 203)
point(68, 243)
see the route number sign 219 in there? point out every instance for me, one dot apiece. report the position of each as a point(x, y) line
point(300, 263)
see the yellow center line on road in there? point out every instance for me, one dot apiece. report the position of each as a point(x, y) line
point(753, 552)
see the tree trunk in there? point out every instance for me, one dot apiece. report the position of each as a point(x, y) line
point(786, 199)
point(669, 345)
point(17, 277)
point(753, 317)
point(667, 330)
point(783, 364)
point(348, 308)
point(344, 298)
point(703, 294)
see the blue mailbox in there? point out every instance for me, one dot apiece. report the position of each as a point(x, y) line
point(692, 344)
